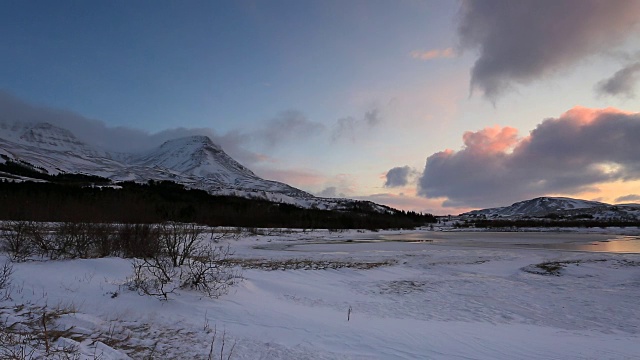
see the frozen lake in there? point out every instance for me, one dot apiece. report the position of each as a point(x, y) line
point(487, 240)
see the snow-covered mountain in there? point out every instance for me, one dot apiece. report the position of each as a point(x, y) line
point(543, 206)
point(195, 162)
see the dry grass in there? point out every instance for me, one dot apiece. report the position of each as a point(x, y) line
point(304, 264)
point(554, 268)
point(34, 333)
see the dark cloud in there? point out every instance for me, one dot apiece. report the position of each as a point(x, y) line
point(623, 82)
point(350, 127)
point(398, 176)
point(372, 117)
point(569, 154)
point(289, 125)
point(345, 128)
point(120, 139)
point(627, 198)
point(521, 41)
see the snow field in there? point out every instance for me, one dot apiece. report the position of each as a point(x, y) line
point(434, 302)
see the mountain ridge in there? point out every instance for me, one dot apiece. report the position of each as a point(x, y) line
point(194, 161)
point(546, 206)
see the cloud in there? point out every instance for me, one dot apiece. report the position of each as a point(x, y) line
point(345, 127)
point(330, 192)
point(288, 125)
point(398, 176)
point(340, 185)
point(622, 82)
point(522, 41)
point(121, 139)
point(627, 198)
point(433, 54)
point(570, 154)
point(349, 127)
point(491, 140)
point(372, 117)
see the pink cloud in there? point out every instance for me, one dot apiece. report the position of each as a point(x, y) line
point(491, 139)
point(576, 152)
point(584, 116)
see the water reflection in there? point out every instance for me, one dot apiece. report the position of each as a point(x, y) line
point(610, 246)
point(554, 241)
point(424, 240)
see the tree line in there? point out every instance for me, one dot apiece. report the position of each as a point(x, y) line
point(161, 201)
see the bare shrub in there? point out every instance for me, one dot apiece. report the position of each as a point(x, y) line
point(103, 239)
point(206, 269)
point(16, 239)
point(43, 241)
point(224, 233)
point(66, 240)
point(5, 280)
point(15, 346)
point(71, 240)
point(209, 272)
point(154, 277)
point(178, 241)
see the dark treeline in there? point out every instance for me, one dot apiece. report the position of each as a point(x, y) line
point(157, 202)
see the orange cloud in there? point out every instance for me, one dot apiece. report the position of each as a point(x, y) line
point(433, 54)
point(583, 115)
point(610, 192)
point(577, 153)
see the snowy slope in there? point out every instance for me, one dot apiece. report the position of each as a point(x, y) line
point(197, 157)
point(53, 149)
point(542, 206)
point(195, 162)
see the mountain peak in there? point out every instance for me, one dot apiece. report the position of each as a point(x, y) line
point(194, 141)
point(194, 155)
point(48, 136)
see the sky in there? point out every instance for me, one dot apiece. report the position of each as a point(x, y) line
point(432, 106)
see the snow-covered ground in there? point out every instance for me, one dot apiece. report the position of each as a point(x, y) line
point(400, 300)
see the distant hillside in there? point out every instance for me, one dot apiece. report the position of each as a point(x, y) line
point(558, 207)
point(44, 150)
